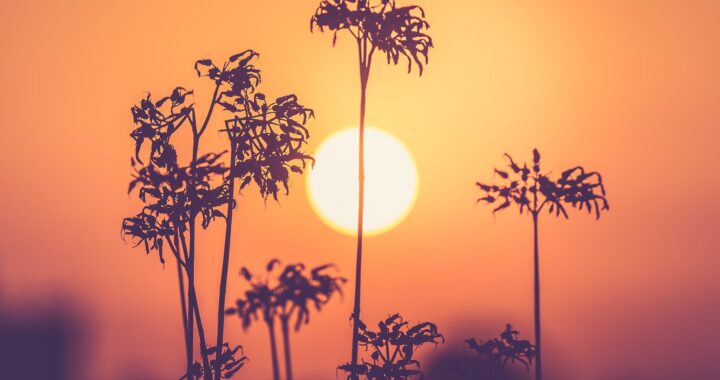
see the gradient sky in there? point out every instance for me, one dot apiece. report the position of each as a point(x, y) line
point(628, 88)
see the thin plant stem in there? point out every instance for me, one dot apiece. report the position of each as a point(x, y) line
point(197, 134)
point(273, 348)
point(194, 312)
point(183, 305)
point(225, 263)
point(190, 341)
point(538, 365)
point(284, 320)
point(183, 302)
point(203, 344)
point(192, 296)
point(364, 74)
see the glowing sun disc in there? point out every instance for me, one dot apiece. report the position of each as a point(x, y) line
point(391, 181)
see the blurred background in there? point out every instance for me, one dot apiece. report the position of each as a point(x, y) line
point(628, 88)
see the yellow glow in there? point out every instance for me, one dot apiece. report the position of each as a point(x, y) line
point(391, 181)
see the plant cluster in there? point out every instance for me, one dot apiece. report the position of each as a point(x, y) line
point(229, 363)
point(266, 143)
point(392, 349)
point(506, 348)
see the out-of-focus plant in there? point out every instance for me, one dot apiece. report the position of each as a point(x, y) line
point(506, 348)
point(289, 294)
point(266, 142)
point(392, 349)
point(258, 303)
point(297, 293)
point(532, 191)
point(385, 28)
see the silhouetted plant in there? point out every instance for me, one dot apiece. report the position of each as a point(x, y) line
point(174, 196)
point(266, 141)
point(531, 190)
point(259, 302)
point(291, 293)
point(507, 348)
point(392, 348)
point(229, 363)
point(376, 26)
point(297, 292)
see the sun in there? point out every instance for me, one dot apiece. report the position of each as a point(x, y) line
point(391, 181)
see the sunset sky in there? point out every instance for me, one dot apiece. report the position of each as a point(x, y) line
point(629, 88)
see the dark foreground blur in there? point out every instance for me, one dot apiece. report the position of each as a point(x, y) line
point(45, 343)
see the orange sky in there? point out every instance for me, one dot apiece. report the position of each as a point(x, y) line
point(628, 88)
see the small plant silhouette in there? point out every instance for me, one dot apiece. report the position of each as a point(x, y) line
point(266, 141)
point(229, 363)
point(392, 348)
point(377, 26)
point(507, 348)
point(532, 190)
point(298, 292)
point(259, 302)
point(290, 294)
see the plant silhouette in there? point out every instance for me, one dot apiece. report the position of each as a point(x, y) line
point(387, 28)
point(290, 294)
point(392, 348)
point(532, 190)
point(298, 292)
point(174, 196)
point(259, 302)
point(507, 348)
point(266, 141)
point(229, 363)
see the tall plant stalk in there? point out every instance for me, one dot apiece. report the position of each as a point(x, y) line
point(197, 135)
point(174, 244)
point(364, 76)
point(266, 141)
point(536, 288)
point(225, 261)
point(532, 190)
point(174, 197)
point(397, 32)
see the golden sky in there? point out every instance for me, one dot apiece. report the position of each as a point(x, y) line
point(628, 88)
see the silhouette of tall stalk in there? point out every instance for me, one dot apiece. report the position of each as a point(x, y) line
point(174, 197)
point(375, 26)
point(531, 190)
point(172, 194)
point(266, 141)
